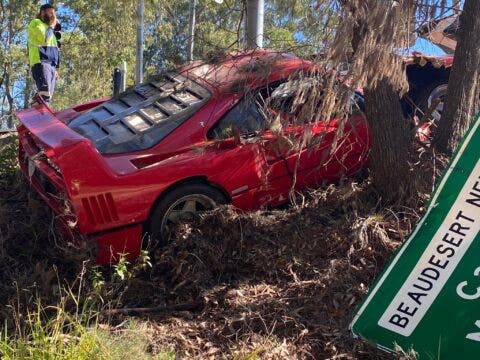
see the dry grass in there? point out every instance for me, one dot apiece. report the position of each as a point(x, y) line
point(275, 284)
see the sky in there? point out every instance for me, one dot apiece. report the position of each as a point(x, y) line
point(420, 45)
point(426, 47)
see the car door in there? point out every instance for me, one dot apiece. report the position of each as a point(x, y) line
point(318, 155)
point(255, 169)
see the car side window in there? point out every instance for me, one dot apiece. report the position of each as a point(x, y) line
point(290, 96)
point(282, 97)
point(245, 118)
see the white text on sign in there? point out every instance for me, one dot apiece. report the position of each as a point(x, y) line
point(439, 260)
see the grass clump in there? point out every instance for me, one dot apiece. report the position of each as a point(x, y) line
point(8, 156)
point(52, 333)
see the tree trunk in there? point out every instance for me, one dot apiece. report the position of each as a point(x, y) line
point(8, 95)
point(462, 100)
point(391, 135)
point(391, 144)
point(28, 88)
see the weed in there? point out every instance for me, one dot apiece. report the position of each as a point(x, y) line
point(121, 271)
point(97, 279)
point(8, 157)
point(53, 333)
point(125, 270)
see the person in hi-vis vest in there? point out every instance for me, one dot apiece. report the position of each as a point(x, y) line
point(43, 50)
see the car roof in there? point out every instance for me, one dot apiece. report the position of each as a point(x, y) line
point(244, 70)
point(142, 116)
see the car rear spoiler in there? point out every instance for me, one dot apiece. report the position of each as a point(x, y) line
point(44, 133)
point(41, 121)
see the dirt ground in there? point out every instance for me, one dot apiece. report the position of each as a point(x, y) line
point(275, 284)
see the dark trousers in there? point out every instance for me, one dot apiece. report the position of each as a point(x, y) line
point(44, 76)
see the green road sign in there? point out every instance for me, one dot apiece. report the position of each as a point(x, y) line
point(428, 297)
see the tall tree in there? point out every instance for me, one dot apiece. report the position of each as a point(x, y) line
point(14, 15)
point(463, 95)
point(372, 30)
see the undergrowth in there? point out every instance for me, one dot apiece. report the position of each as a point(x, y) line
point(273, 284)
point(51, 297)
point(54, 333)
point(8, 158)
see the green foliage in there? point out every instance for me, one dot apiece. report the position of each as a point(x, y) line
point(14, 17)
point(99, 35)
point(64, 337)
point(97, 280)
point(8, 157)
point(121, 271)
point(101, 39)
point(125, 270)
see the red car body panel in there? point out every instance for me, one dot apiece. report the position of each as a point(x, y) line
point(111, 196)
point(422, 59)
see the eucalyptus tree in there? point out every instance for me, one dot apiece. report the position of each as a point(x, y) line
point(463, 95)
point(374, 34)
point(14, 71)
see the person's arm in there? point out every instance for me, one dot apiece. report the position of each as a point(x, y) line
point(49, 33)
point(36, 33)
point(50, 30)
point(57, 28)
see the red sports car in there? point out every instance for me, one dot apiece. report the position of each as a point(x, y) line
point(117, 170)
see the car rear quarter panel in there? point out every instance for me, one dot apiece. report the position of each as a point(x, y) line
point(113, 192)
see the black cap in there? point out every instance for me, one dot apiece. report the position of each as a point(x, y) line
point(47, 6)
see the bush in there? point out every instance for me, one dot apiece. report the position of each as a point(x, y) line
point(8, 156)
point(62, 336)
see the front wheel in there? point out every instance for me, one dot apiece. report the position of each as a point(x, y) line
point(432, 95)
point(426, 108)
point(182, 205)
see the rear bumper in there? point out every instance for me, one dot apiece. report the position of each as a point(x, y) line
point(50, 184)
point(110, 244)
point(106, 246)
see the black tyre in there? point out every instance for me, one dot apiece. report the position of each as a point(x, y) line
point(426, 96)
point(182, 204)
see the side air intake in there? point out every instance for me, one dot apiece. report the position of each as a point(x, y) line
point(100, 209)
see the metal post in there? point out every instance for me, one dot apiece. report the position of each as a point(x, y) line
point(254, 24)
point(191, 30)
point(139, 66)
point(117, 81)
point(123, 69)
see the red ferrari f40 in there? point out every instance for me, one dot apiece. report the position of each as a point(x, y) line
point(118, 170)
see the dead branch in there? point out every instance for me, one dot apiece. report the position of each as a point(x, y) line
point(188, 306)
